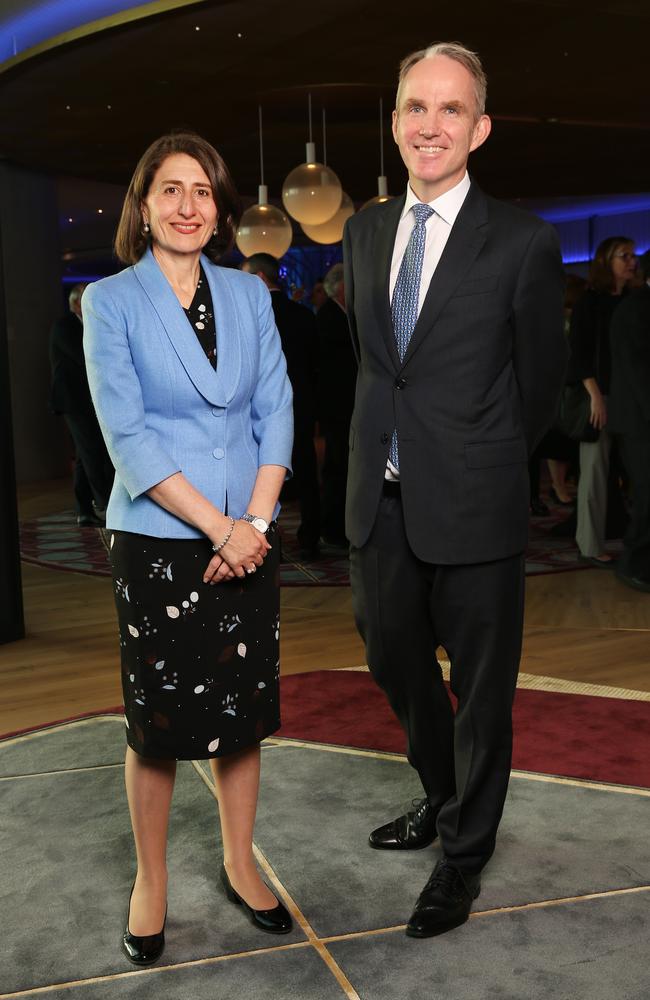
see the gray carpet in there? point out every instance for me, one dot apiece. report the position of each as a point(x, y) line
point(66, 865)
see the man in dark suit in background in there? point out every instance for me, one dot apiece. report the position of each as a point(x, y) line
point(628, 416)
point(455, 307)
point(337, 375)
point(70, 396)
point(297, 328)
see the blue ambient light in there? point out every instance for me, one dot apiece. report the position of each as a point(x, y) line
point(48, 18)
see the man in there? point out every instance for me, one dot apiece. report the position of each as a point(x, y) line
point(628, 415)
point(296, 325)
point(70, 396)
point(337, 374)
point(455, 307)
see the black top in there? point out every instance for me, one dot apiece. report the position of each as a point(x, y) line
point(589, 338)
point(201, 315)
point(297, 328)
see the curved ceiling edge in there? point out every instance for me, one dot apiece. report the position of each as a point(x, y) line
point(137, 13)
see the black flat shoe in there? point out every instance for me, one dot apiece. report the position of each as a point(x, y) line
point(445, 902)
point(275, 921)
point(410, 832)
point(144, 950)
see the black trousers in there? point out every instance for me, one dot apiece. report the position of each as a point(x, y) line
point(405, 609)
point(635, 560)
point(96, 472)
point(335, 474)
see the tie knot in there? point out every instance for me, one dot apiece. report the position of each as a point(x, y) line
point(422, 212)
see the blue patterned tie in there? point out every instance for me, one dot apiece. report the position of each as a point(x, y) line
point(406, 294)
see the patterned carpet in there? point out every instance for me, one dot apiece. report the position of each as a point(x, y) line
point(56, 541)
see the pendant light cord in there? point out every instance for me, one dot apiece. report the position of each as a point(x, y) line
point(324, 139)
point(381, 136)
point(261, 147)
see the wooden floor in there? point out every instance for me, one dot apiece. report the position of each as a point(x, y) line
point(582, 626)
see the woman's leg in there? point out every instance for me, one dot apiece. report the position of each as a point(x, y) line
point(237, 779)
point(149, 788)
point(558, 470)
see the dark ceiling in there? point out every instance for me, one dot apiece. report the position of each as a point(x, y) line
point(566, 90)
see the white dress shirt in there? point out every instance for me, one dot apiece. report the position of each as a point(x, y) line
point(438, 228)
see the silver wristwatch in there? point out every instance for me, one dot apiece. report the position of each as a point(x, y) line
point(257, 522)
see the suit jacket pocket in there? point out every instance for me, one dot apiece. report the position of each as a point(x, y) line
point(476, 286)
point(491, 454)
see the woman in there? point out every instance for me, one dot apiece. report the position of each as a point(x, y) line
point(190, 387)
point(612, 269)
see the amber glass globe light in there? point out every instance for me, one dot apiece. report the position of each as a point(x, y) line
point(332, 230)
point(381, 196)
point(312, 192)
point(264, 228)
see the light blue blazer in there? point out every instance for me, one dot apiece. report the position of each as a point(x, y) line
point(164, 409)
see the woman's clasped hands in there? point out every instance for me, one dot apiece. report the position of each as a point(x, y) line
point(244, 551)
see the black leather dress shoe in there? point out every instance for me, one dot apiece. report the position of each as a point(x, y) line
point(445, 901)
point(409, 832)
point(275, 921)
point(146, 949)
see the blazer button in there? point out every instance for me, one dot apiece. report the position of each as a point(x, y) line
point(400, 383)
point(384, 438)
point(218, 453)
point(216, 412)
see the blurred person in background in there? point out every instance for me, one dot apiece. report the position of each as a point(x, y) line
point(611, 271)
point(337, 375)
point(70, 397)
point(297, 328)
point(629, 419)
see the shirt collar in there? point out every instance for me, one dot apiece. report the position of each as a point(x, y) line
point(447, 206)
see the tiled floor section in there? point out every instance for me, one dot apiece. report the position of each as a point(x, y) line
point(66, 866)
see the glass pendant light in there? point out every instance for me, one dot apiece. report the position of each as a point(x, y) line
point(312, 192)
point(263, 228)
point(331, 231)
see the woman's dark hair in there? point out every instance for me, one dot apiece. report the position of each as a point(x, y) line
point(131, 241)
point(601, 276)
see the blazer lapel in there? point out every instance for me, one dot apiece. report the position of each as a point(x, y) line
point(181, 336)
point(468, 234)
point(382, 255)
point(226, 317)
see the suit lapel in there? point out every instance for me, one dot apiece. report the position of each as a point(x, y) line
point(382, 255)
point(468, 234)
point(181, 336)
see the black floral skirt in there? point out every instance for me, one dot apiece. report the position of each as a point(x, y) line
point(200, 663)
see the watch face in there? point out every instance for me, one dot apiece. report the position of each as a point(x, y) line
point(260, 524)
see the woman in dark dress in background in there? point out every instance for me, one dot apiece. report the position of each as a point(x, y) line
point(612, 270)
point(190, 388)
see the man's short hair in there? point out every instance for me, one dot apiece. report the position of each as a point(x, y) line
point(453, 50)
point(333, 280)
point(267, 264)
point(76, 292)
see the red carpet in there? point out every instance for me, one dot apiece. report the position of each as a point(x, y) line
point(578, 736)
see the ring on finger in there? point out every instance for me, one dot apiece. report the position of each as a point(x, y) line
point(251, 569)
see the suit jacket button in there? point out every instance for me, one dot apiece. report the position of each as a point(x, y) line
point(400, 383)
point(218, 453)
point(384, 438)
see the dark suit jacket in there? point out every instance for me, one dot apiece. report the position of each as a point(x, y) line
point(628, 407)
point(337, 366)
point(70, 392)
point(297, 328)
point(479, 383)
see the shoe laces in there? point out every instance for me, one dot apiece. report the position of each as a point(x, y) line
point(420, 806)
point(447, 879)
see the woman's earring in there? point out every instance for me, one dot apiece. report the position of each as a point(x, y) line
point(147, 228)
point(215, 231)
